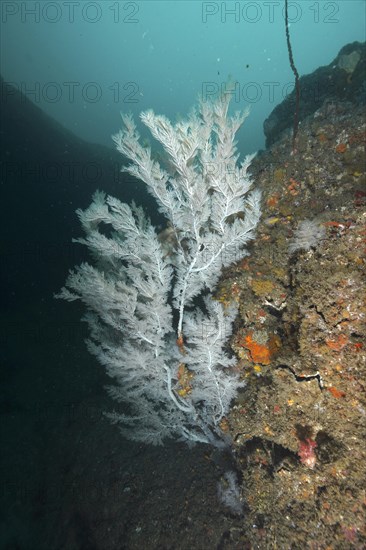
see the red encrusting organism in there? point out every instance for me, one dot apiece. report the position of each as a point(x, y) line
point(307, 452)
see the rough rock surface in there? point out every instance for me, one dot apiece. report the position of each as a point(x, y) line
point(299, 425)
point(342, 80)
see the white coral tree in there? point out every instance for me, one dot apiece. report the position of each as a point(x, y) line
point(145, 325)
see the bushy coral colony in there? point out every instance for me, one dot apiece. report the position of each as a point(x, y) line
point(308, 235)
point(229, 493)
point(167, 353)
